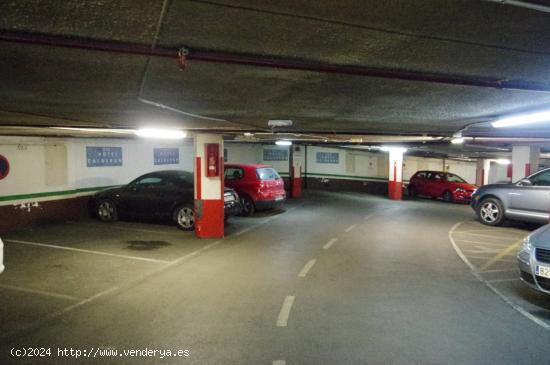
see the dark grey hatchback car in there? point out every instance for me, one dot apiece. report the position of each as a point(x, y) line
point(526, 200)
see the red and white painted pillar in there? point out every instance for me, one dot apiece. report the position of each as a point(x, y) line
point(296, 173)
point(395, 182)
point(209, 209)
point(482, 172)
point(525, 161)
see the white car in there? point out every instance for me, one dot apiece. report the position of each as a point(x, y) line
point(1, 256)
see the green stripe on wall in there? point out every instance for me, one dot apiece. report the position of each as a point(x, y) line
point(53, 193)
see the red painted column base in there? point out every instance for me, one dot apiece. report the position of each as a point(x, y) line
point(395, 190)
point(296, 187)
point(209, 218)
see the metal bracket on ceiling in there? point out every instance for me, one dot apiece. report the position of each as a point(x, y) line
point(182, 58)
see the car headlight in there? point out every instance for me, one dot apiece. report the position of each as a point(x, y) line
point(460, 190)
point(527, 244)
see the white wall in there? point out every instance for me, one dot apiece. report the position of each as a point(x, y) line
point(47, 165)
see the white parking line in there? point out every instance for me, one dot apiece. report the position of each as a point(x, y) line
point(350, 228)
point(500, 270)
point(39, 292)
point(492, 231)
point(330, 243)
point(367, 217)
point(104, 293)
point(282, 320)
point(267, 220)
point(483, 243)
point(87, 251)
point(478, 276)
point(279, 362)
point(306, 268)
point(486, 235)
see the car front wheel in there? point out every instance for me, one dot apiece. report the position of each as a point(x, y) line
point(106, 211)
point(448, 196)
point(491, 212)
point(185, 217)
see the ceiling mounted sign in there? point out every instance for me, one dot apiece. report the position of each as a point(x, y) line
point(4, 167)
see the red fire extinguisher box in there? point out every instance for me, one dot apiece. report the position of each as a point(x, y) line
point(212, 159)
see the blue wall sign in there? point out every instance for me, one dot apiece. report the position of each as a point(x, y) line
point(275, 155)
point(103, 156)
point(328, 157)
point(166, 156)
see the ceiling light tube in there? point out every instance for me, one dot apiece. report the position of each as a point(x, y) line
point(522, 120)
point(283, 142)
point(393, 148)
point(157, 133)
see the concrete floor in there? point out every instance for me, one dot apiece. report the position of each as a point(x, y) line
point(339, 278)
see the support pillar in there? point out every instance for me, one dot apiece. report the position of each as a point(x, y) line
point(209, 205)
point(482, 172)
point(525, 161)
point(296, 172)
point(395, 182)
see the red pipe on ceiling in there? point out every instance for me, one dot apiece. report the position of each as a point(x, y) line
point(256, 61)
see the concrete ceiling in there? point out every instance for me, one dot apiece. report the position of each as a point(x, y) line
point(435, 62)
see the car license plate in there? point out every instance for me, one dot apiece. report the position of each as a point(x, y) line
point(280, 197)
point(543, 271)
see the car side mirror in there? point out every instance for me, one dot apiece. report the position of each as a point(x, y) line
point(525, 182)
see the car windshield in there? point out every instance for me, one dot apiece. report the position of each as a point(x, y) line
point(455, 178)
point(267, 173)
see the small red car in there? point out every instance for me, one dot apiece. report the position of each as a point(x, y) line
point(259, 186)
point(437, 184)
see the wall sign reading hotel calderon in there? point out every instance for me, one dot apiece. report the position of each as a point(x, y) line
point(4, 167)
point(103, 156)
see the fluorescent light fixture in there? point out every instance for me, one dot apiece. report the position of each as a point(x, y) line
point(393, 148)
point(503, 161)
point(96, 130)
point(161, 133)
point(279, 123)
point(283, 142)
point(522, 119)
point(248, 134)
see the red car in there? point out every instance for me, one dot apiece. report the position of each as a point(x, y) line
point(437, 184)
point(259, 186)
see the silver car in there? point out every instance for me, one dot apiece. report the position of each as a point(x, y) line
point(527, 200)
point(534, 260)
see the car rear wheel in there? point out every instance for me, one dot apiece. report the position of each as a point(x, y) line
point(106, 211)
point(247, 206)
point(412, 191)
point(185, 217)
point(448, 196)
point(491, 212)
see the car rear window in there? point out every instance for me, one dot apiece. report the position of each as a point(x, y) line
point(267, 173)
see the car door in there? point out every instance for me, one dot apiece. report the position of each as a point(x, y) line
point(171, 192)
point(419, 182)
point(434, 184)
point(531, 196)
point(233, 178)
point(138, 198)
